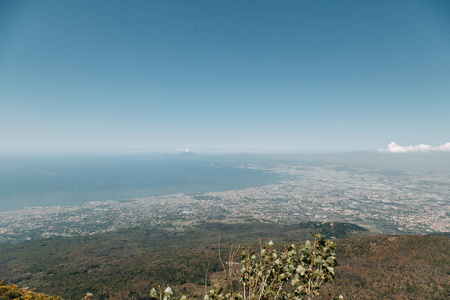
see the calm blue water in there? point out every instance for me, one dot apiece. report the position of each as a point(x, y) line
point(44, 180)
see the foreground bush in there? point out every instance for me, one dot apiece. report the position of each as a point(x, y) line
point(11, 291)
point(297, 272)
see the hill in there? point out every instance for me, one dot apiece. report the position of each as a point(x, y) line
point(128, 263)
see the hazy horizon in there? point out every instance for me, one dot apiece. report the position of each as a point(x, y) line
point(167, 151)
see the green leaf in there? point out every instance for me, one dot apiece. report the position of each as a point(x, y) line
point(153, 293)
point(301, 270)
point(168, 291)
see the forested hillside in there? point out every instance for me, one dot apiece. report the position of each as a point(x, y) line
point(128, 263)
point(393, 267)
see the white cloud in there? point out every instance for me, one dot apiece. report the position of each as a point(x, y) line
point(183, 150)
point(445, 147)
point(395, 148)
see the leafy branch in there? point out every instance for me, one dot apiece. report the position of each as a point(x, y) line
point(296, 272)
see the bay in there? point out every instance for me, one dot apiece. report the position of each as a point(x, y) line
point(57, 179)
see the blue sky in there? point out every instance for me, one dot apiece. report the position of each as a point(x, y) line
point(223, 76)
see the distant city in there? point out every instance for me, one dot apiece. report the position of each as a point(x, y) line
point(379, 199)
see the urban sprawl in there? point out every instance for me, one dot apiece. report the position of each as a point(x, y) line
point(401, 202)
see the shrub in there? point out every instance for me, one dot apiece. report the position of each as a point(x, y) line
point(296, 272)
point(11, 291)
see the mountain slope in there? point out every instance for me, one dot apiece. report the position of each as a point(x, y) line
point(128, 263)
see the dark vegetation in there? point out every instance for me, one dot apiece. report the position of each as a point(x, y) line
point(393, 267)
point(128, 263)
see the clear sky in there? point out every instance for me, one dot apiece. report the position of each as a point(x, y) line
point(226, 76)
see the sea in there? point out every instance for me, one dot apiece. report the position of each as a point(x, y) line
point(73, 179)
